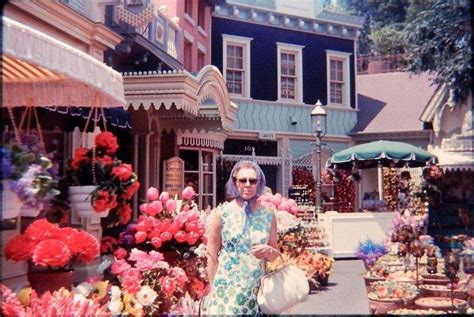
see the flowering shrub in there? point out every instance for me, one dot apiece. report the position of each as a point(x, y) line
point(60, 303)
point(116, 182)
point(30, 173)
point(46, 246)
point(392, 290)
point(369, 251)
point(278, 203)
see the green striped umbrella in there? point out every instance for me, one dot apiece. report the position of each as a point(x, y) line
point(387, 153)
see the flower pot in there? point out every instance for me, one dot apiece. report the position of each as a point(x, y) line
point(370, 279)
point(81, 201)
point(383, 306)
point(11, 204)
point(42, 281)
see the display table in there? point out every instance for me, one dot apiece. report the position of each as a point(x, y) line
point(345, 230)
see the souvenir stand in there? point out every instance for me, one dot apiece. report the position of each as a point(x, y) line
point(345, 230)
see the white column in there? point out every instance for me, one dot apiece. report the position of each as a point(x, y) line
point(380, 181)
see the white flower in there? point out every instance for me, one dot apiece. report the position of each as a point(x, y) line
point(83, 289)
point(201, 250)
point(115, 307)
point(146, 296)
point(115, 293)
point(107, 261)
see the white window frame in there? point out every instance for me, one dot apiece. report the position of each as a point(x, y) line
point(297, 50)
point(245, 43)
point(346, 93)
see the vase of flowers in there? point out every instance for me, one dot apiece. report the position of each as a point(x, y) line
point(369, 251)
point(30, 176)
point(51, 252)
point(100, 185)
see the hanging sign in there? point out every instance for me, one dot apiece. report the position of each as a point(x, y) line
point(173, 176)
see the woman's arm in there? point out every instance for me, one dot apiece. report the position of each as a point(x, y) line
point(268, 251)
point(214, 244)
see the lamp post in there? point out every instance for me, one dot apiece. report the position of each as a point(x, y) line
point(318, 122)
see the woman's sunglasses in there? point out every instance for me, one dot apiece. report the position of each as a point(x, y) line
point(244, 181)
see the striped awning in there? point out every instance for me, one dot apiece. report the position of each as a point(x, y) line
point(39, 70)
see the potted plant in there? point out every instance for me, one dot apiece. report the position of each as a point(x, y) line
point(28, 174)
point(390, 295)
point(100, 185)
point(369, 251)
point(51, 252)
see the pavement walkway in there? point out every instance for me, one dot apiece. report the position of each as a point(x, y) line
point(345, 294)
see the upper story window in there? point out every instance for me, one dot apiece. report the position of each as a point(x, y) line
point(290, 72)
point(201, 14)
point(236, 64)
point(338, 78)
point(188, 7)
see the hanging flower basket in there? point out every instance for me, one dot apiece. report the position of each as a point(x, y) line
point(80, 197)
point(11, 204)
point(42, 281)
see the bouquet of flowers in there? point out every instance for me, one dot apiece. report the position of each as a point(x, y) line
point(47, 247)
point(315, 264)
point(116, 182)
point(392, 290)
point(60, 303)
point(293, 241)
point(278, 203)
point(29, 172)
point(369, 251)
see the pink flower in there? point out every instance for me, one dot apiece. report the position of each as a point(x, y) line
point(156, 242)
point(120, 253)
point(164, 196)
point(19, 248)
point(166, 236)
point(163, 225)
point(188, 193)
point(192, 215)
point(132, 274)
point(167, 285)
point(156, 256)
point(170, 205)
point(180, 236)
point(137, 255)
point(179, 274)
point(154, 208)
point(120, 266)
point(152, 194)
point(41, 229)
point(140, 236)
point(131, 286)
point(143, 208)
point(192, 226)
point(192, 237)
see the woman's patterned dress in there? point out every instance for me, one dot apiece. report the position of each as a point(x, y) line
point(235, 286)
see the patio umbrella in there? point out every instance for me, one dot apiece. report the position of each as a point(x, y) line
point(386, 153)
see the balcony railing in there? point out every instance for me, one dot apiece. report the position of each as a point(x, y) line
point(369, 64)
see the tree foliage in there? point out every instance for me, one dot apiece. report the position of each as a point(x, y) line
point(438, 40)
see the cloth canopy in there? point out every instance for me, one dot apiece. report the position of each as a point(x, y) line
point(39, 70)
point(387, 153)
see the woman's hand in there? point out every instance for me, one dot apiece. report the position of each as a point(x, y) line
point(261, 251)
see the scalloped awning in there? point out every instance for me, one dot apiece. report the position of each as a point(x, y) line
point(39, 70)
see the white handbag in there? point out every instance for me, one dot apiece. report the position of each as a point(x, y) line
point(282, 289)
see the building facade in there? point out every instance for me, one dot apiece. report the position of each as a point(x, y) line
point(276, 66)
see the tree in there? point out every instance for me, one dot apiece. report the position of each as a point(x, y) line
point(438, 39)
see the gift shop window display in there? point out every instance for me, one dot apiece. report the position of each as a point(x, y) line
point(199, 173)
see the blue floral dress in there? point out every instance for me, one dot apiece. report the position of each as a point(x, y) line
point(235, 286)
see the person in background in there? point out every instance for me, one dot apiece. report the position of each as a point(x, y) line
point(242, 235)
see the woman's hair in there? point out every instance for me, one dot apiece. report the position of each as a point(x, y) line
point(231, 188)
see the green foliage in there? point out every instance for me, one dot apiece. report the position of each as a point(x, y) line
point(439, 40)
point(387, 40)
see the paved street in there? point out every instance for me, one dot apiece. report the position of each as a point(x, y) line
point(345, 293)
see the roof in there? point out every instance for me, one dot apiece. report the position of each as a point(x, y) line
point(392, 102)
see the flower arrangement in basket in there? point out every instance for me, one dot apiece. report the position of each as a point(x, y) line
point(62, 303)
point(369, 251)
point(49, 248)
point(317, 265)
point(160, 260)
point(392, 290)
point(114, 182)
point(28, 173)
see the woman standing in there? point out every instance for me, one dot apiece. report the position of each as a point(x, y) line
point(241, 236)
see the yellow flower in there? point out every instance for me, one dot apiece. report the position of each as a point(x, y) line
point(132, 306)
point(100, 289)
point(24, 295)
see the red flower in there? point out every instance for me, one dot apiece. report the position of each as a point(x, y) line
point(41, 229)
point(84, 245)
point(106, 160)
point(180, 236)
point(167, 285)
point(120, 253)
point(19, 248)
point(125, 214)
point(51, 252)
point(80, 155)
point(107, 141)
point(123, 172)
point(131, 190)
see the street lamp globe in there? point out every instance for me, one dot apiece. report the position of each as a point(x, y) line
point(318, 122)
